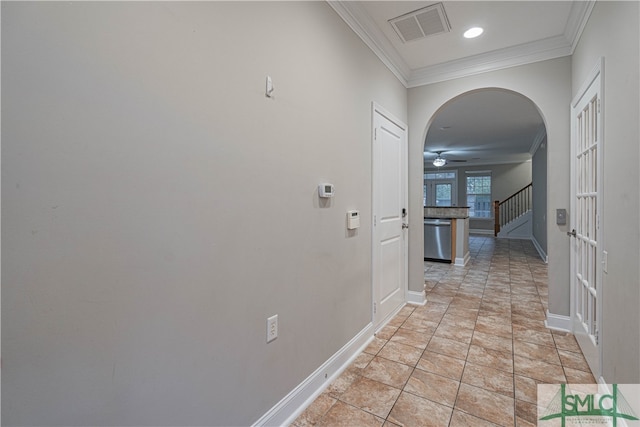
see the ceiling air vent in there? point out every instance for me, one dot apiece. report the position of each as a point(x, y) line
point(421, 23)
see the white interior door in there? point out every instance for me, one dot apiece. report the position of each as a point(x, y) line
point(586, 207)
point(389, 215)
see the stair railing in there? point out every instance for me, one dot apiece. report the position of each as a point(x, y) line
point(511, 208)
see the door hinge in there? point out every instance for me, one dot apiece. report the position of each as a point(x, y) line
point(598, 105)
point(374, 220)
point(375, 310)
point(597, 336)
point(375, 133)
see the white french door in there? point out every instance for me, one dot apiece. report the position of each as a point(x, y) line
point(389, 258)
point(441, 192)
point(586, 218)
point(440, 188)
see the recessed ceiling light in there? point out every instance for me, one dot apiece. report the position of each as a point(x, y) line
point(473, 32)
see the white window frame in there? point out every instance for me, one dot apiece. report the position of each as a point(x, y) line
point(479, 174)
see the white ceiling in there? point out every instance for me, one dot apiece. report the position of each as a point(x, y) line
point(506, 24)
point(466, 130)
point(488, 126)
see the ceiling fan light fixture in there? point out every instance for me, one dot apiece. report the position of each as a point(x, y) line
point(439, 162)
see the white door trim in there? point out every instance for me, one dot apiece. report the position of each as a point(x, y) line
point(595, 358)
point(377, 109)
point(597, 70)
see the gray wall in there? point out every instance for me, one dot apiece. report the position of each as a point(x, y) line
point(613, 33)
point(157, 207)
point(506, 179)
point(548, 85)
point(539, 179)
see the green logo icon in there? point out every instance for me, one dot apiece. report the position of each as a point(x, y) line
point(566, 404)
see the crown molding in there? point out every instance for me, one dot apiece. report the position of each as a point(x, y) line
point(551, 48)
point(473, 163)
point(542, 132)
point(578, 17)
point(527, 53)
point(360, 22)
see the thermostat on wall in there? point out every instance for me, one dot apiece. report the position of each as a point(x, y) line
point(326, 190)
point(353, 220)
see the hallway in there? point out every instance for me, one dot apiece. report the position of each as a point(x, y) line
point(472, 356)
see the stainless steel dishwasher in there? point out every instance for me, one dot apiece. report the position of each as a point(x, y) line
point(437, 239)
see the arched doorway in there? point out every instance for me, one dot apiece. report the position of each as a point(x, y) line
point(490, 143)
point(547, 85)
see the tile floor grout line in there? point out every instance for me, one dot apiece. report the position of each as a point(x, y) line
point(515, 266)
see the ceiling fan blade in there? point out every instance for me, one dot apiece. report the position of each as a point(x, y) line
point(433, 153)
point(457, 161)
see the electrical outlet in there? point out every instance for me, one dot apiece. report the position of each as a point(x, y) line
point(272, 328)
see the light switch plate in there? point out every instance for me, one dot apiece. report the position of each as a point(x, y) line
point(272, 328)
point(269, 87)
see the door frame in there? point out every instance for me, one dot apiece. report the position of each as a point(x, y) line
point(595, 77)
point(453, 181)
point(377, 109)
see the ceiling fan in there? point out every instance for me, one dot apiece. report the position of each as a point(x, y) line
point(440, 161)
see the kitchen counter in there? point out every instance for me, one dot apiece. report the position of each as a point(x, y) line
point(446, 212)
point(459, 217)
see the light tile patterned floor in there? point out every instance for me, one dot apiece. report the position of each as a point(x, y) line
point(472, 356)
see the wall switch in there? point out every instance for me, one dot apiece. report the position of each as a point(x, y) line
point(605, 261)
point(269, 87)
point(561, 216)
point(272, 328)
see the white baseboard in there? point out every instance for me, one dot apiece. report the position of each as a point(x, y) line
point(541, 252)
point(416, 298)
point(481, 231)
point(558, 322)
point(462, 261)
point(292, 405)
point(514, 237)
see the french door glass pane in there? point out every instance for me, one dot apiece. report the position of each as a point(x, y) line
point(443, 194)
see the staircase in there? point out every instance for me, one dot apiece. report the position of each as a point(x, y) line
point(513, 216)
